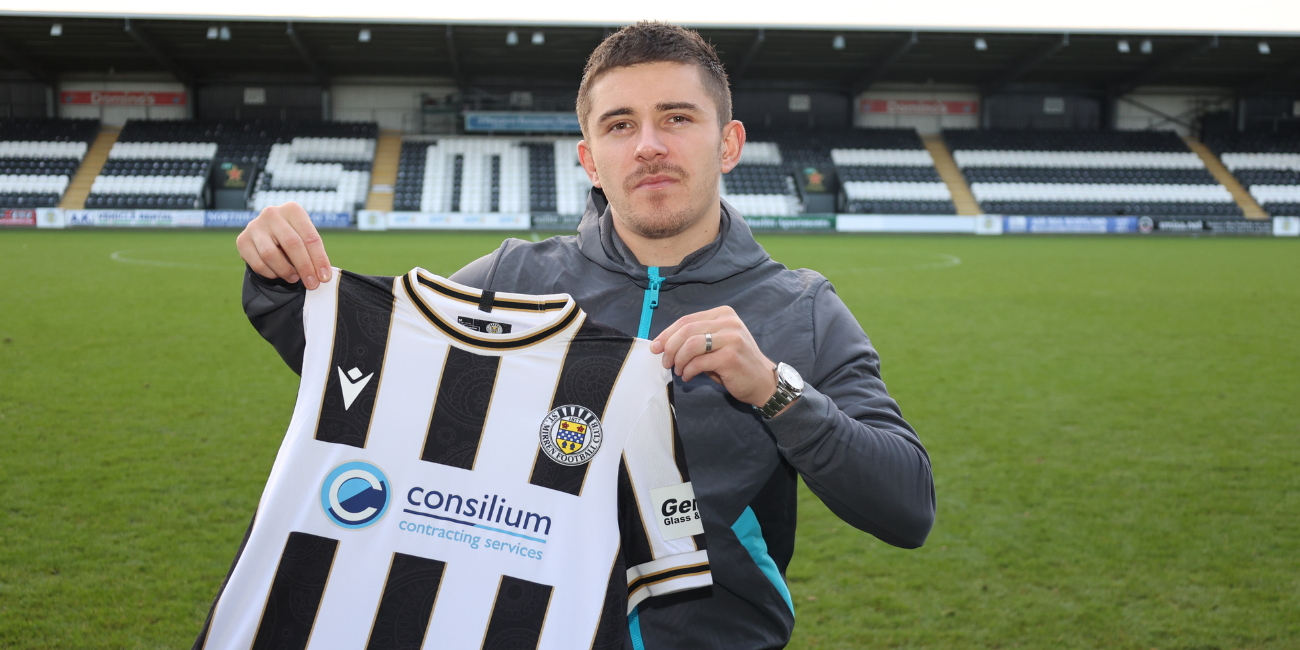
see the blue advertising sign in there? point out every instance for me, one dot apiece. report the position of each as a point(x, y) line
point(240, 218)
point(484, 121)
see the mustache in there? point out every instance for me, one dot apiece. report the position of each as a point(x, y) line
point(652, 169)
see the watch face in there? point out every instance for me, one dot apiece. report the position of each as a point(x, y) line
point(790, 376)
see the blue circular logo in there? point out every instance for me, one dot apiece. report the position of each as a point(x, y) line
point(355, 495)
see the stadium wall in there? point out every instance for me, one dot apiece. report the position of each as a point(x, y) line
point(376, 220)
point(114, 112)
point(924, 107)
point(394, 105)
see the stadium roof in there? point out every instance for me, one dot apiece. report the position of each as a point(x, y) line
point(478, 54)
point(1254, 17)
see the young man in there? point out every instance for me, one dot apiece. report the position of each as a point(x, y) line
point(655, 111)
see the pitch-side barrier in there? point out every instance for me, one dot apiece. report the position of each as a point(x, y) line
point(374, 220)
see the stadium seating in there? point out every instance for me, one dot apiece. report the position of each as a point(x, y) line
point(325, 166)
point(1088, 173)
point(487, 174)
point(761, 184)
point(1267, 165)
point(38, 158)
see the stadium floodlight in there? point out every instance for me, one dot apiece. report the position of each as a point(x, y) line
point(1264, 48)
point(212, 33)
point(363, 36)
point(225, 33)
point(512, 37)
point(538, 38)
point(981, 44)
point(1122, 46)
point(56, 29)
point(838, 42)
point(1146, 46)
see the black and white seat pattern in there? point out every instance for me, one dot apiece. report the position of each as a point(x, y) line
point(1088, 174)
point(38, 158)
point(320, 174)
point(889, 171)
point(1268, 165)
point(761, 184)
point(475, 175)
point(153, 175)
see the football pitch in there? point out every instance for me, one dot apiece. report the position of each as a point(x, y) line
point(1114, 425)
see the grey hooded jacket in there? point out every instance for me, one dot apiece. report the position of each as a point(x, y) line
point(846, 437)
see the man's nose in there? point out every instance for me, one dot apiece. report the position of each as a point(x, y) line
point(650, 145)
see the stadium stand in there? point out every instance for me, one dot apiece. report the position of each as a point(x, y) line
point(38, 158)
point(486, 174)
point(1267, 164)
point(324, 166)
point(1088, 173)
point(761, 185)
point(889, 171)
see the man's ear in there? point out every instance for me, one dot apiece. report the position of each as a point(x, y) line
point(733, 141)
point(588, 162)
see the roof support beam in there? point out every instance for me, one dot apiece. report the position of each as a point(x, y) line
point(876, 71)
point(36, 70)
point(455, 62)
point(1000, 82)
point(147, 44)
point(750, 54)
point(1165, 65)
point(317, 70)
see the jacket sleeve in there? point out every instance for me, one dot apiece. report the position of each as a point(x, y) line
point(847, 437)
point(274, 307)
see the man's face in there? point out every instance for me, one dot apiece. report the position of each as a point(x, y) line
point(655, 147)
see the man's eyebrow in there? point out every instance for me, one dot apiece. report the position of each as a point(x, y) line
point(614, 113)
point(676, 106)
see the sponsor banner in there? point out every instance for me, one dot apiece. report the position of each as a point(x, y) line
point(120, 98)
point(240, 218)
point(457, 221)
point(1148, 225)
point(918, 107)
point(50, 218)
point(801, 222)
point(1286, 226)
point(1070, 225)
point(552, 221)
point(17, 217)
point(903, 223)
point(135, 218)
point(988, 224)
point(372, 220)
point(483, 121)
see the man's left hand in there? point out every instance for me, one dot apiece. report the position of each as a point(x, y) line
point(734, 361)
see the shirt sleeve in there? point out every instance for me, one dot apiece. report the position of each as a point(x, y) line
point(662, 529)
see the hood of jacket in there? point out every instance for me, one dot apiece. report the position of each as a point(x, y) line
point(736, 253)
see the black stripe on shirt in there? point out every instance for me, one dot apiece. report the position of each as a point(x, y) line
point(410, 592)
point(461, 408)
point(636, 541)
point(296, 593)
point(362, 324)
point(517, 615)
point(664, 576)
point(591, 368)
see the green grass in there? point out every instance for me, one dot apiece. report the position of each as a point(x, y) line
point(1114, 426)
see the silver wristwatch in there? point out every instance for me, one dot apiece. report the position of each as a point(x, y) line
point(789, 386)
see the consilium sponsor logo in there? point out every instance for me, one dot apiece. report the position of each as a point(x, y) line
point(355, 495)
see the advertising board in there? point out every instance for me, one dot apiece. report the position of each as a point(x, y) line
point(824, 222)
point(134, 218)
point(903, 223)
point(240, 218)
point(457, 221)
point(485, 121)
point(1070, 225)
point(17, 217)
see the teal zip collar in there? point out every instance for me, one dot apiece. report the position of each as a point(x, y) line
point(649, 302)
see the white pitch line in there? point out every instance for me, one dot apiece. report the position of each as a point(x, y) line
point(120, 256)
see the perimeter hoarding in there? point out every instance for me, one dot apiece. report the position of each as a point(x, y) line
point(17, 217)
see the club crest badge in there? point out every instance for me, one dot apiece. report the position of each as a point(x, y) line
point(571, 435)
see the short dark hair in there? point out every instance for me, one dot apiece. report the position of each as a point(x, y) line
point(656, 42)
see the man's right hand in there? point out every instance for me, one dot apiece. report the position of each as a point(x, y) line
point(282, 243)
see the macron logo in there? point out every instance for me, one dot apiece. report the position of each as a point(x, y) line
point(352, 384)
